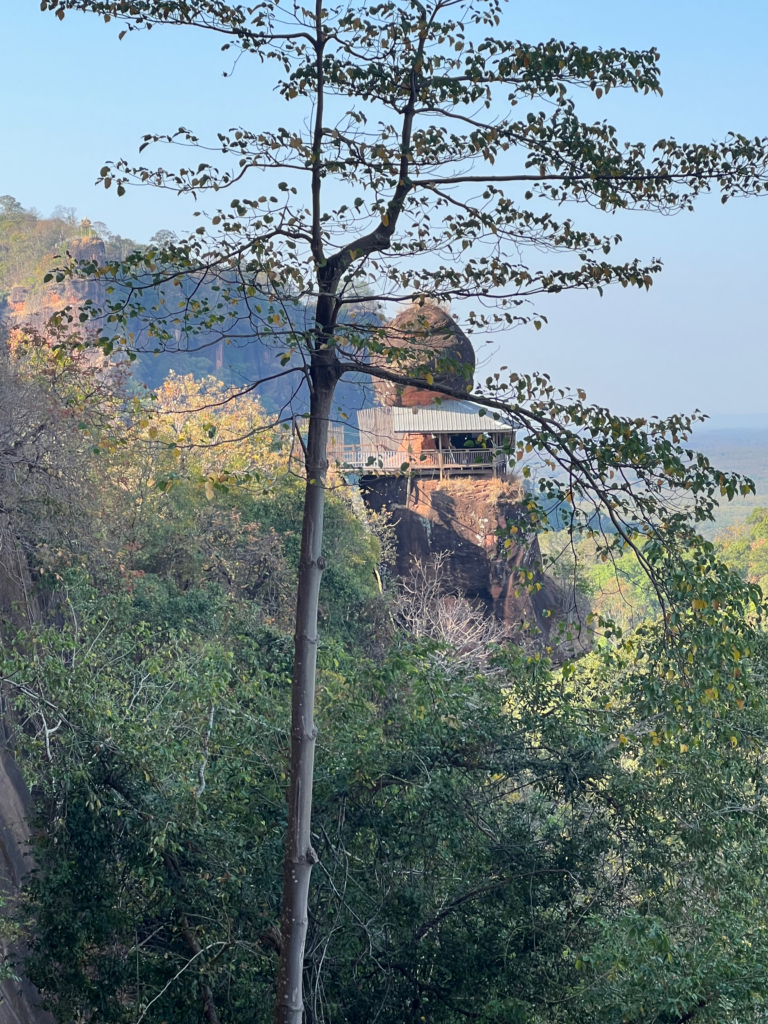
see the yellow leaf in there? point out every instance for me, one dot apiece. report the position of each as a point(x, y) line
point(209, 490)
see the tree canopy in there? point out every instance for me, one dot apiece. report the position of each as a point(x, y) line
point(497, 840)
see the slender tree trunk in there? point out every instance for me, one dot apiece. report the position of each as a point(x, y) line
point(188, 934)
point(299, 854)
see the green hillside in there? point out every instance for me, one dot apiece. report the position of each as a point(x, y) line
point(29, 241)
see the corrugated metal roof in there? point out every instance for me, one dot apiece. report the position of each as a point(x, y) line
point(450, 417)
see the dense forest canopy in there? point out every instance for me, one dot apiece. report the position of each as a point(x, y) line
point(498, 839)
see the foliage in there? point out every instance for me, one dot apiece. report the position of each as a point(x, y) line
point(616, 588)
point(195, 430)
point(508, 842)
point(27, 243)
point(211, 496)
point(446, 168)
point(685, 947)
point(447, 161)
point(8, 935)
point(744, 547)
point(177, 490)
point(521, 844)
point(56, 412)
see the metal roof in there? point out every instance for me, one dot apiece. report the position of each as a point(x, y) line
point(451, 417)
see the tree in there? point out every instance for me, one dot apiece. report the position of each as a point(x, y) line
point(495, 845)
point(426, 120)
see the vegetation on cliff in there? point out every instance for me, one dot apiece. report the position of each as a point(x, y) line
point(30, 242)
point(497, 839)
point(448, 149)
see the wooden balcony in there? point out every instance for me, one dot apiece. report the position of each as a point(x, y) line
point(364, 460)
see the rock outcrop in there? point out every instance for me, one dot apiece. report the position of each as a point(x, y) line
point(19, 609)
point(19, 1000)
point(432, 343)
point(461, 519)
point(32, 307)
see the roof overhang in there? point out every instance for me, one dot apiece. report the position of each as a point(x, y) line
point(450, 417)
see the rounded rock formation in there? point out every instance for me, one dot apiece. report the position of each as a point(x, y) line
point(432, 343)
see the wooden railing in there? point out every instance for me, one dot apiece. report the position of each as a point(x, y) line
point(364, 458)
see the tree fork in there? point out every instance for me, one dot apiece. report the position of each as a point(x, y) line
point(299, 853)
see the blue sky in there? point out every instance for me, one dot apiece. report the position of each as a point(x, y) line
point(72, 95)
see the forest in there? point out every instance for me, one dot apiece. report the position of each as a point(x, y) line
point(481, 816)
point(479, 733)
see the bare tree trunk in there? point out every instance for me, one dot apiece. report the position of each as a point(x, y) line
point(299, 854)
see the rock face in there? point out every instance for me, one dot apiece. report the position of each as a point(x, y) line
point(33, 307)
point(19, 1000)
point(432, 342)
point(92, 251)
point(459, 518)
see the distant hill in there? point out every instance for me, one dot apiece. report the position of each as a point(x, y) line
point(29, 241)
point(29, 244)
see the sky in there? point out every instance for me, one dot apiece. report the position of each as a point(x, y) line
point(72, 95)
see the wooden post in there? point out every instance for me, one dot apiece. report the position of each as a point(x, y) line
point(440, 454)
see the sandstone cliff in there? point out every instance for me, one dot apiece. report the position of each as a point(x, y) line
point(19, 1000)
point(459, 518)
